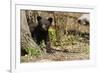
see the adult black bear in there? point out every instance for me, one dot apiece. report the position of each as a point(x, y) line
point(40, 33)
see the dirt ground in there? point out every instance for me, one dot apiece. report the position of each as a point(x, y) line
point(57, 56)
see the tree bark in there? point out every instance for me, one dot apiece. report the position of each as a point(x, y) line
point(27, 41)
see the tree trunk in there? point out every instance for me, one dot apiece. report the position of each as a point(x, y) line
point(27, 43)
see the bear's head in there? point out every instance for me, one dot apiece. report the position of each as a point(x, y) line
point(84, 19)
point(44, 23)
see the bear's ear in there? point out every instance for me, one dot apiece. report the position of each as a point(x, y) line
point(50, 20)
point(39, 18)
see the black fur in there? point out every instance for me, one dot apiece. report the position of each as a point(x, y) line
point(41, 31)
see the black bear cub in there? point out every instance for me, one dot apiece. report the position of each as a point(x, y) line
point(40, 33)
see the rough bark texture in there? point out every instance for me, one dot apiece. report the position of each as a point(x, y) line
point(26, 40)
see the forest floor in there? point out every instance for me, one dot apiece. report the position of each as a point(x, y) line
point(76, 49)
point(57, 56)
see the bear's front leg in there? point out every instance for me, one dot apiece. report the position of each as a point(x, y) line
point(48, 45)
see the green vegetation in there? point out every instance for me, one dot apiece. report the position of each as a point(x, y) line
point(52, 35)
point(33, 52)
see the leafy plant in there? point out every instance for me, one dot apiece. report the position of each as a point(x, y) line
point(33, 52)
point(52, 35)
